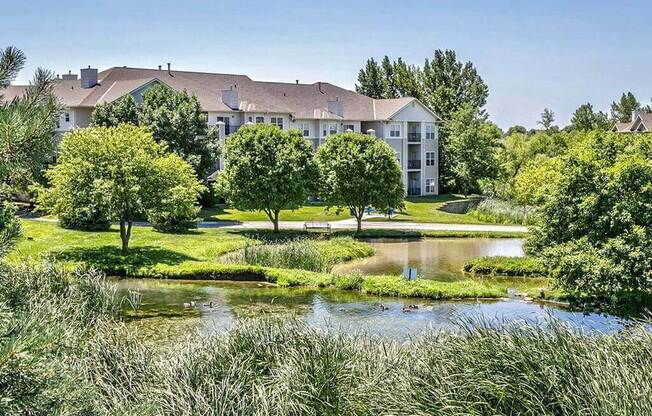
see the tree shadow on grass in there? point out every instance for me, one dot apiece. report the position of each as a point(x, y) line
point(112, 261)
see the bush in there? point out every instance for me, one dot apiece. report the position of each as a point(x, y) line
point(503, 212)
point(506, 266)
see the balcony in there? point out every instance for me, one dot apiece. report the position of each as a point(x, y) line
point(414, 191)
point(414, 164)
point(414, 137)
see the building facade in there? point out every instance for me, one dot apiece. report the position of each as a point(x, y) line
point(318, 110)
point(641, 123)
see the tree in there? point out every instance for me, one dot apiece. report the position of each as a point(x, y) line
point(585, 119)
point(595, 231)
point(110, 114)
point(268, 169)
point(516, 129)
point(547, 118)
point(622, 110)
point(390, 89)
point(177, 120)
point(472, 149)
point(27, 124)
point(124, 170)
point(371, 80)
point(359, 171)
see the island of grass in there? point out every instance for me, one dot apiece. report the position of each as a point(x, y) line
point(203, 254)
point(506, 266)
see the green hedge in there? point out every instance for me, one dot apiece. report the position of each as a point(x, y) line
point(506, 266)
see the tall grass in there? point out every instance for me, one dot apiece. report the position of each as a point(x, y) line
point(270, 367)
point(301, 253)
point(62, 353)
point(503, 212)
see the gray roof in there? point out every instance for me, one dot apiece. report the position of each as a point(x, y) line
point(641, 118)
point(303, 101)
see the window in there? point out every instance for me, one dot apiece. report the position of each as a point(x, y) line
point(304, 128)
point(394, 130)
point(430, 132)
point(67, 117)
point(226, 121)
point(430, 158)
point(250, 119)
point(330, 128)
point(430, 186)
point(260, 120)
point(349, 127)
point(277, 121)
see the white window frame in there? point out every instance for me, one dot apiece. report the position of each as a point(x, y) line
point(66, 117)
point(277, 121)
point(304, 128)
point(430, 185)
point(430, 132)
point(349, 126)
point(395, 130)
point(260, 119)
point(430, 158)
point(329, 129)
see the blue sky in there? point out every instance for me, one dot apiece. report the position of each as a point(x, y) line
point(532, 54)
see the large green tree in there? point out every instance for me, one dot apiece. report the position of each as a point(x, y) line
point(596, 221)
point(176, 120)
point(585, 119)
point(110, 114)
point(547, 120)
point(371, 80)
point(622, 109)
point(268, 169)
point(124, 171)
point(472, 149)
point(359, 171)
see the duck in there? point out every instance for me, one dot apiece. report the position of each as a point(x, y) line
point(383, 307)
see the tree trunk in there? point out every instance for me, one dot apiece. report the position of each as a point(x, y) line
point(125, 235)
point(275, 221)
point(358, 217)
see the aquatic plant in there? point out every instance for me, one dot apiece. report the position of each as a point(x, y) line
point(301, 253)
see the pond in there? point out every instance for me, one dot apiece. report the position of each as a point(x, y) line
point(439, 259)
point(170, 308)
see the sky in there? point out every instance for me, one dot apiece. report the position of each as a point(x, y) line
point(531, 54)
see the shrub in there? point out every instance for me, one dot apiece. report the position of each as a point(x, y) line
point(506, 266)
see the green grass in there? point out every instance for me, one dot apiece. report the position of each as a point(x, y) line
point(425, 209)
point(503, 212)
point(301, 253)
point(506, 266)
point(197, 255)
point(310, 212)
point(65, 352)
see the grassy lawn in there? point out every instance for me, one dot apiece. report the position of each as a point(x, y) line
point(420, 209)
point(311, 212)
point(426, 209)
point(197, 255)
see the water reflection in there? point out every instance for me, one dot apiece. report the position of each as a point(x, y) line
point(440, 259)
point(218, 305)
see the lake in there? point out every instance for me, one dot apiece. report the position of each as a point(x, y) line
point(172, 307)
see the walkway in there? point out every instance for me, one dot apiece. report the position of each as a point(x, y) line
point(348, 224)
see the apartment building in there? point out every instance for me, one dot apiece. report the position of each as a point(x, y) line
point(318, 110)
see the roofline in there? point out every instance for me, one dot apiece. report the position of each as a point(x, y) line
point(176, 70)
point(412, 99)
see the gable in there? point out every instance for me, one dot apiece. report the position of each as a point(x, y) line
point(415, 111)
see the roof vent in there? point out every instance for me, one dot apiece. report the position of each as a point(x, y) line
point(336, 107)
point(230, 99)
point(88, 77)
point(69, 76)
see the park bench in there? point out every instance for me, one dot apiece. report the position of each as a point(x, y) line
point(311, 225)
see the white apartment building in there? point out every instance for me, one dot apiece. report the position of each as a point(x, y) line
point(318, 110)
